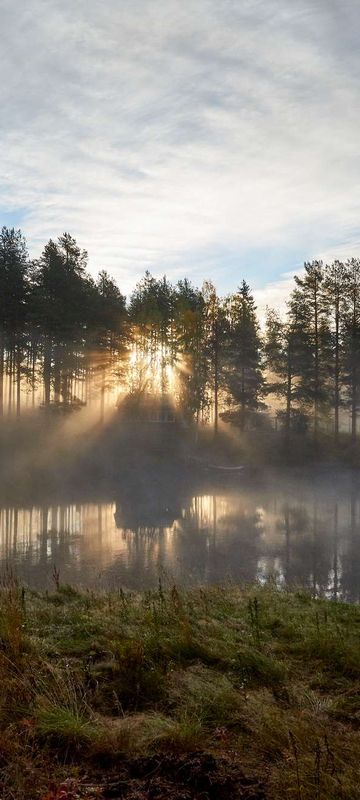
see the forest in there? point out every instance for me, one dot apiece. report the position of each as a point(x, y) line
point(68, 340)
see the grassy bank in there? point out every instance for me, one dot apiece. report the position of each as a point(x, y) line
point(209, 693)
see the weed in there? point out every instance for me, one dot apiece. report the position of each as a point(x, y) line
point(12, 619)
point(56, 577)
point(294, 748)
point(253, 606)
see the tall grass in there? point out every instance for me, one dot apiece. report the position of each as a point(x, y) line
point(86, 680)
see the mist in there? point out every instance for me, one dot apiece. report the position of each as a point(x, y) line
point(171, 434)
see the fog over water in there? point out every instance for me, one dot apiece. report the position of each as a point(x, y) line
point(301, 530)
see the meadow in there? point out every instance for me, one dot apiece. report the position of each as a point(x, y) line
point(221, 692)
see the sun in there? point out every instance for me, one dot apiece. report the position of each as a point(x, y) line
point(152, 370)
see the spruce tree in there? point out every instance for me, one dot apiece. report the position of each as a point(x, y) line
point(243, 373)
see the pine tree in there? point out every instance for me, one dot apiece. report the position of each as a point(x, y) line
point(278, 361)
point(192, 361)
point(335, 286)
point(243, 374)
point(108, 334)
point(351, 333)
point(151, 313)
point(215, 335)
point(287, 357)
point(61, 301)
point(308, 305)
point(14, 290)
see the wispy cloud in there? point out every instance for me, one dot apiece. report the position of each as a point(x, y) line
point(167, 134)
point(275, 295)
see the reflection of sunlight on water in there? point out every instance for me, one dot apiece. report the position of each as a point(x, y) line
point(27, 528)
point(80, 532)
point(207, 510)
point(245, 535)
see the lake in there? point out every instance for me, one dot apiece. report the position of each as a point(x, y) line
point(302, 530)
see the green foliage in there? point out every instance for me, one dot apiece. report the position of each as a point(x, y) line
point(71, 340)
point(243, 372)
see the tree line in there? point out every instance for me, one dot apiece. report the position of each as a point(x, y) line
point(68, 340)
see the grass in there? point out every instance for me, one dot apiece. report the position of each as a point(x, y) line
point(268, 680)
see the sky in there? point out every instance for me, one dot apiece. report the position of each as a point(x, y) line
point(213, 139)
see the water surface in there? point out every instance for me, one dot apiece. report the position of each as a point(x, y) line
point(301, 530)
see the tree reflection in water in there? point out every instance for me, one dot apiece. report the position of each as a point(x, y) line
point(301, 534)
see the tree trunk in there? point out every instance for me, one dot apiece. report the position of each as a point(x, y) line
point(288, 399)
point(242, 421)
point(18, 381)
point(1, 374)
point(316, 387)
point(33, 371)
point(57, 375)
point(354, 378)
point(353, 403)
point(337, 373)
point(102, 397)
point(216, 380)
point(47, 371)
point(10, 373)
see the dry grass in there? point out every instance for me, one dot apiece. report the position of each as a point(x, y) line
point(271, 677)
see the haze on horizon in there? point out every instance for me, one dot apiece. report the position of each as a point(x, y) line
point(216, 140)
